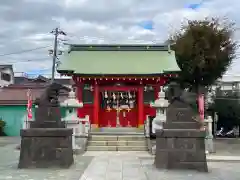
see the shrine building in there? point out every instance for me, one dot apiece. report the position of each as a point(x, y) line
point(117, 83)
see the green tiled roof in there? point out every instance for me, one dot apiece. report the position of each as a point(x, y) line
point(118, 60)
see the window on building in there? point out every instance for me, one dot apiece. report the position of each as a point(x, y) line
point(87, 94)
point(148, 94)
point(5, 76)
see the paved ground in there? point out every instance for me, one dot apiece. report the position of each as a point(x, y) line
point(138, 166)
point(9, 161)
point(111, 165)
point(228, 146)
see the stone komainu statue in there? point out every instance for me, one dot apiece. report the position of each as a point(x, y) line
point(48, 114)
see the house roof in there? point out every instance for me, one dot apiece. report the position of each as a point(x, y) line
point(63, 81)
point(118, 60)
point(20, 80)
point(40, 79)
point(17, 94)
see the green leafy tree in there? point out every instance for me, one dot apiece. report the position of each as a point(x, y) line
point(227, 104)
point(204, 50)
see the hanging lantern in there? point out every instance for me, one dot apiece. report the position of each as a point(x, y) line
point(114, 96)
point(145, 88)
point(121, 95)
point(105, 94)
point(129, 95)
point(91, 88)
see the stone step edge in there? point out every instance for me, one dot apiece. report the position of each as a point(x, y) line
point(118, 133)
point(116, 141)
point(117, 146)
point(114, 135)
point(217, 158)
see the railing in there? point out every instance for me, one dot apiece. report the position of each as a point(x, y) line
point(146, 127)
point(26, 123)
point(81, 129)
point(150, 136)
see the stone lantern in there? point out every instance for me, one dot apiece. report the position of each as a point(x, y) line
point(161, 105)
point(71, 119)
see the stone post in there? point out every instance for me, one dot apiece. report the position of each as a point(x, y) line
point(209, 136)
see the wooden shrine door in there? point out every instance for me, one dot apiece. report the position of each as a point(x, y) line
point(118, 107)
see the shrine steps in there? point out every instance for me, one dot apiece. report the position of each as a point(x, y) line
point(117, 140)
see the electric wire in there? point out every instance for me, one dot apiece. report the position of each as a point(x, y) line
point(24, 51)
point(23, 61)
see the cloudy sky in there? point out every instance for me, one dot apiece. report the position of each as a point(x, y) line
point(25, 25)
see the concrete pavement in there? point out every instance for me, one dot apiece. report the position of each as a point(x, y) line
point(139, 166)
point(115, 165)
point(9, 156)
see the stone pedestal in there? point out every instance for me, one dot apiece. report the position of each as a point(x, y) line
point(47, 124)
point(180, 149)
point(46, 147)
point(47, 143)
point(181, 143)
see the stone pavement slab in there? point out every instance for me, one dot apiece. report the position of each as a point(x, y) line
point(223, 158)
point(111, 165)
point(9, 162)
point(139, 166)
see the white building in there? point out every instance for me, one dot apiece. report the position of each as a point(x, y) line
point(229, 82)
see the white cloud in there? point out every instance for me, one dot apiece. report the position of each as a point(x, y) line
point(25, 24)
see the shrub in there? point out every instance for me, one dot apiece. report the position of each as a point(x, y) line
point(2, 125)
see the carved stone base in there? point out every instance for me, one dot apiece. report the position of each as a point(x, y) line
point(44, 148)
point(48, 124)
point(180, 149)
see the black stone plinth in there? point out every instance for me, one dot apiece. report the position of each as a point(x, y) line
point(46, 147)
point(181, 149)
point(47, 124)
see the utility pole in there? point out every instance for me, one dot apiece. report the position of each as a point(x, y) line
point(54, 52)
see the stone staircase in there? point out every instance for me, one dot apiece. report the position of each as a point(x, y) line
point(117, 139)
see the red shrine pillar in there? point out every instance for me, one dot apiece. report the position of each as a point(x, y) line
point(80, 98)
point(96, 105)
point(140, 107)
point(157, 89)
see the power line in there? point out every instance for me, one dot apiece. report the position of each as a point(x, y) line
point(22, 61)
point(24, 51)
